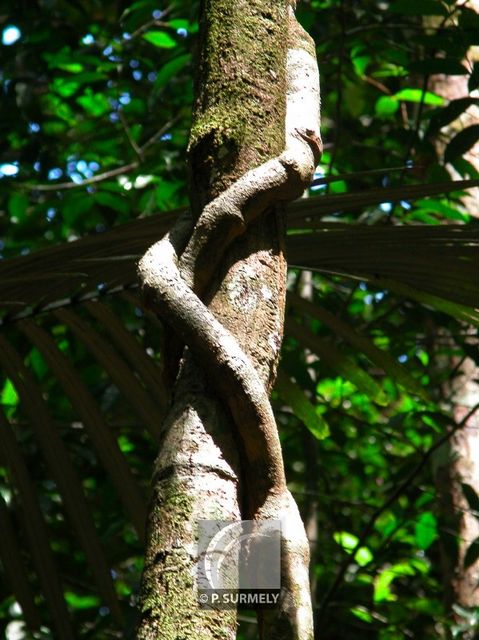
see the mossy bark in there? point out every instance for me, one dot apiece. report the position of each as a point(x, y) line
point(238, 123)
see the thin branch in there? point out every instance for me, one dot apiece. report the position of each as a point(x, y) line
point(106, 175)
point(359, 174)
point(156, 22)
point(60, 186)
point(159, 133)
point(128, 134)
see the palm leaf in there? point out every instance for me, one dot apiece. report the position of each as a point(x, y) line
point(15, 569)
point(93, 421)
point(440, 261)
point(35, 530)
point(361, 342)
point(117, 369)
point(103, 262)
point(335, 360)
point(59, 463)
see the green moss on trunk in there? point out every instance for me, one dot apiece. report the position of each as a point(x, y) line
point(239, 110)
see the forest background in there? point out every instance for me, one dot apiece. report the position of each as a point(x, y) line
point(376, 398)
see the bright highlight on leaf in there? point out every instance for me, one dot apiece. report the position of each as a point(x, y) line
point(160, 39)
point(9, 395)
point(349, 541)
point(417, 95)
point(425, 530)
point(81, 602)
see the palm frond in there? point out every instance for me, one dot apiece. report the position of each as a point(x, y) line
point(35, 530)
point(88, 411)
point(59, 463)
point(11, 558)
point(335, 360)
point(117, 369)
point(100, 263)
point(360, 341)
point(441, 261)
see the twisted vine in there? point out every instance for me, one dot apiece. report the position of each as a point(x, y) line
point(174, 274)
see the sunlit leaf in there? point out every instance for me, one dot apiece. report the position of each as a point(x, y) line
point(425, 530)
point(96, 104)
point(417, 95)
point(9, 395)
point(160, 39)
point(382, 582)
point(386, 106)
point(349, 541)
point(81, 602)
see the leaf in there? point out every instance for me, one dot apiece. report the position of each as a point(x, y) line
point(321, 205)
point(119, 372)
point(160, 39)
point(65, 87)
point(348, 542)
point(95, 425)
point(81, 602)
point(95, 104)
point(17, 205)
point(9, 395)
point(113, 201)
point(13, 563)
point(336, 248)
point(75, 206)
point(417, 95)
point(425, 530)
point(62, 469)
point(171, 68)
point(386, 106)
point(471, 497)
point(336, 361)
point(472, 554)
point(360, 342)
point(302, 408)
point(462, 142)
point(439, 208)
point(35, 530)
point(422, 270)
point(448, 114)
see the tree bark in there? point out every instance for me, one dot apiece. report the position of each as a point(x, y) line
point(457, 463)
point(220, 458)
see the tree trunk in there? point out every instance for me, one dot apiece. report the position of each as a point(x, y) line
point(220, 459)
point(457, 464)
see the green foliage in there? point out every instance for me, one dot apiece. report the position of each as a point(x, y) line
point(94, 123)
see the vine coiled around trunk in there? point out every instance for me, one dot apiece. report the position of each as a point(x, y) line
point(174, 274)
